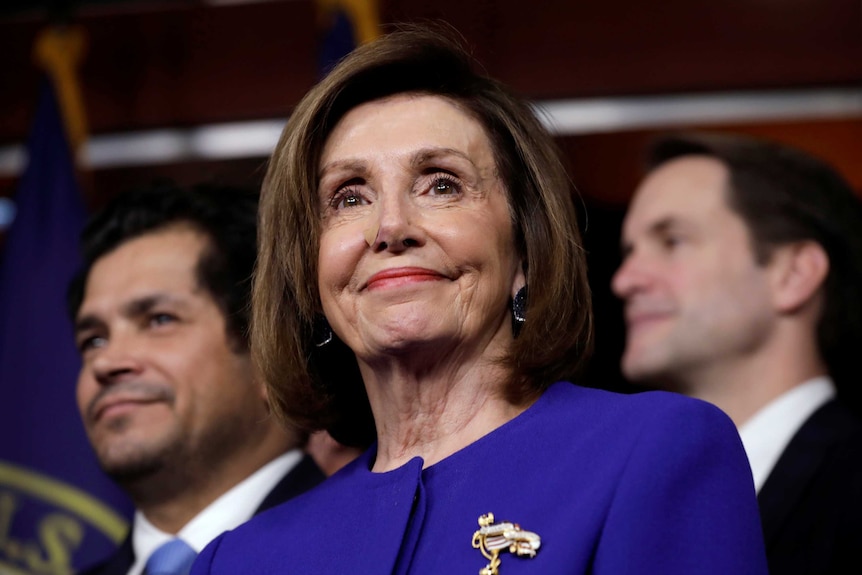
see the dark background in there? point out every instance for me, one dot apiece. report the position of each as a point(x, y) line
point(182, 64)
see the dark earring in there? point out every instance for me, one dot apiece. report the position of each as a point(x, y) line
point(519, 311)
point(321, 333)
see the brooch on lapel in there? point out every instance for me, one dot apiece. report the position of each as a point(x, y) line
point(491, 538)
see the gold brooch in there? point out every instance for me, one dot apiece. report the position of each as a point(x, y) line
point(492, 537)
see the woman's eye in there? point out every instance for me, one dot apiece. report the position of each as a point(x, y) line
point(350, 200)
point(444, 186)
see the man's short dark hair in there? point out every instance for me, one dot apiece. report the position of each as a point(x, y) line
point(226, 215)
point(785, 195)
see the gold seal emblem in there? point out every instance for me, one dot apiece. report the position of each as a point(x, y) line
point(66, 520)
point(491, 538)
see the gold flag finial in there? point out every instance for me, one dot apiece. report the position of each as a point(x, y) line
point(59, 50)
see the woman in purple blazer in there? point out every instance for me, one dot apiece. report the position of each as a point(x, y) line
point(420, 257)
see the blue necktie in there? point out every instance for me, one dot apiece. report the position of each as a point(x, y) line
point(172, 558)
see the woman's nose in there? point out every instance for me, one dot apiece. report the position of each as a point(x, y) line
point(396, 219)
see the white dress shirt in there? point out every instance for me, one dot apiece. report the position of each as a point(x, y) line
point(767, 433)
point(230, 510)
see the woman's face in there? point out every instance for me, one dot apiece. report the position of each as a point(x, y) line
point(417, 250)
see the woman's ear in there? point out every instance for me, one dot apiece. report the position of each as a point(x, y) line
point(799, 270)
point(520, 279)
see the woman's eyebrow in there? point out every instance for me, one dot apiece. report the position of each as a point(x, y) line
point(426, 155)
point(349, 164)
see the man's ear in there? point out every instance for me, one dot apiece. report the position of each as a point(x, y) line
point(798, 271)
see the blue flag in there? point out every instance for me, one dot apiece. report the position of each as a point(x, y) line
point(344, 25)
point(58, 511)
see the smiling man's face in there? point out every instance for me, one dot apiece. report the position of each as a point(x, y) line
point(160, 385)
point(693, 291)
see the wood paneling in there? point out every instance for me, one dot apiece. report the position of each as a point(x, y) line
point(176, 64)
point(607, 167)
point(173, 66)
point(565, 48)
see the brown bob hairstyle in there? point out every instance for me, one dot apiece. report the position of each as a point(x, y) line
point(315, 388)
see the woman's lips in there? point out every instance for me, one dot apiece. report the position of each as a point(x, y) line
point(402, 276)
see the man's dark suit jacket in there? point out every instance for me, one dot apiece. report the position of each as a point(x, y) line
point(301, 478)
point(811, 503)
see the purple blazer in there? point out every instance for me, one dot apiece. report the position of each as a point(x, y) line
point(648, 483)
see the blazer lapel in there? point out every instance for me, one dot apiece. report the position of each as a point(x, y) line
point(799, 463)
point(300, 479)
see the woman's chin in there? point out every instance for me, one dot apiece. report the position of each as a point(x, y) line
point(419, 342)
point(405, 325)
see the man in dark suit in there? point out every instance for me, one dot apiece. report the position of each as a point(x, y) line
point(741, 278)
point(166, 391)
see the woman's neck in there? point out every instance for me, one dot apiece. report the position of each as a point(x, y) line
point(435, 413)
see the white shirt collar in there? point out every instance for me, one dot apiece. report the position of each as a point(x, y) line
point(234, 507)
point(767, 433)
